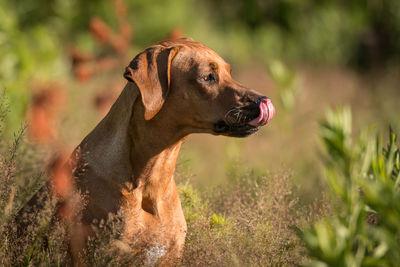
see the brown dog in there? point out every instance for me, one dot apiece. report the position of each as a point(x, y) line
point(174, 88)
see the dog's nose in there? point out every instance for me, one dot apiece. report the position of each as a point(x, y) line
point(267, 112)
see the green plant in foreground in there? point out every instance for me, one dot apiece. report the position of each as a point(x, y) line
point(364, 176)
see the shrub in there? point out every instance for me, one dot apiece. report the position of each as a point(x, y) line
point(364, 178)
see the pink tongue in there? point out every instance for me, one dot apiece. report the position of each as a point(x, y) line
point(267, 112)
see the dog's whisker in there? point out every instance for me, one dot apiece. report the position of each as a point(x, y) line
point(229, 111)
point(235, 116)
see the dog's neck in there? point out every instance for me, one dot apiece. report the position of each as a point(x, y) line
point(154, 152)
point(152, 140)
point(126, 149)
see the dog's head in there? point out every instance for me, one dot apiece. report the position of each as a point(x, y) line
point(196, 85)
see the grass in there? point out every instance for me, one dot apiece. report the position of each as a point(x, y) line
point(249, 221)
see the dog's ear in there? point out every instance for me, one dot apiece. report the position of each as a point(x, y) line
point(150, 70)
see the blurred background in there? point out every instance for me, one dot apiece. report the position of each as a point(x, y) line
point(61, 65)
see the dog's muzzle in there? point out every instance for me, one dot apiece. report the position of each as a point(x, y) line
point(247, 120)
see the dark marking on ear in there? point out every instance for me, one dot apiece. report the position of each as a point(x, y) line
point(152, 77)
point(133, 65)
point(127, 74)
point(149, 57)
point(162, 63)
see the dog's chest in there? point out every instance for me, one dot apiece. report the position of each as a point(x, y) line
point(163, 229)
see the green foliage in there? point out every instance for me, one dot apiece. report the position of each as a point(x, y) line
point(4, 109)
point(193, 207)
point(26, 54)
point(357, 31)
point(364, 176)
point(217, 221)
point(286, 84)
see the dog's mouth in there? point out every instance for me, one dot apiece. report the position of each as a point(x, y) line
point(244, 121)
point(265, 114)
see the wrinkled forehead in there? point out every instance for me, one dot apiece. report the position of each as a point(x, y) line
point(200, 56)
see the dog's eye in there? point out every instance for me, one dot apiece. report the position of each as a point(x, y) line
point(212, 77)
